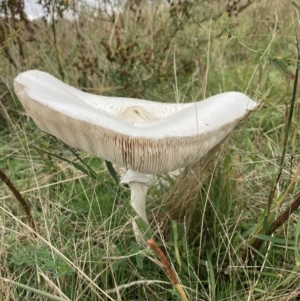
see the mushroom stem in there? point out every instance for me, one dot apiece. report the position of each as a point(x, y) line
point(138, 199)
point(138, 183)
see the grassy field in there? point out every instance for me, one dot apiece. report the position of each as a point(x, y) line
point(228, 225)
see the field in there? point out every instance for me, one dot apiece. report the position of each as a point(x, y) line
point(229, 225)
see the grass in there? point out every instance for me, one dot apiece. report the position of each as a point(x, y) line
point(208, 217)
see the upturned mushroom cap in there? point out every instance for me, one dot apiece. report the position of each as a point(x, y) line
point(145, 136)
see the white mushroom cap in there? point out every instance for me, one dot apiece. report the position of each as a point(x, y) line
point(145, 136)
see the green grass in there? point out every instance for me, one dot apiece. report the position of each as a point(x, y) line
point(206, 218)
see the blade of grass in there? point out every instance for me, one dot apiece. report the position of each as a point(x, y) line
point(88, 171)
point(297, 235)
point(212, 282)
point(34, 290)
point(112, 172)
point(174, 230)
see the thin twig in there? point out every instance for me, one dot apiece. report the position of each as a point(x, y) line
point(19, 198)
point(284, 216)
point(280, 220)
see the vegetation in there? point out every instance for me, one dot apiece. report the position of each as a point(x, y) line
point(229, 225)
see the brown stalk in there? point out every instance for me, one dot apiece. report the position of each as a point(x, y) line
point(167, 267)
point(19, 198)
point(280, 220)
point(285, 215)
point(242, 7)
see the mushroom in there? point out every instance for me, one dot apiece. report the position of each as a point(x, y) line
point(145, 137)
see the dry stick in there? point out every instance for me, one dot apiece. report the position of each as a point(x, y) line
point(18, 196)
point(284, 216)
point(167, 267)
point(242, 7)
point(280, 220)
